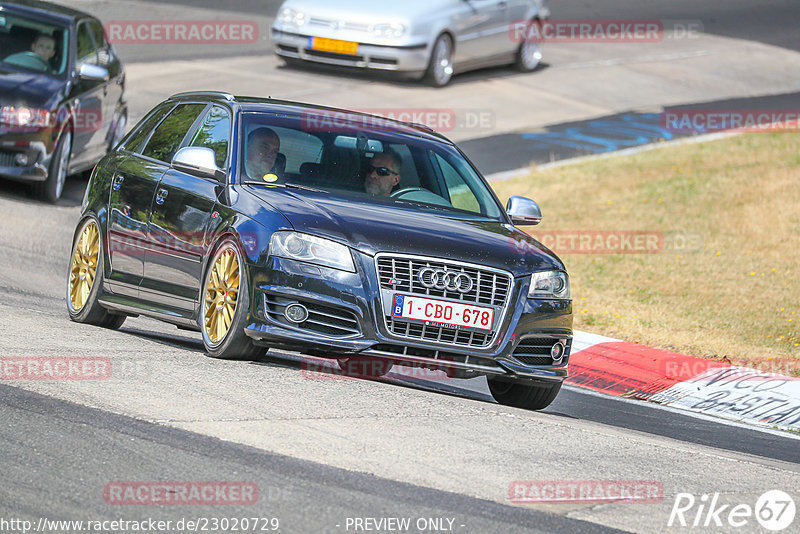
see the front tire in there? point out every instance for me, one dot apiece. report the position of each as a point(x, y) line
point(440, 67)
point(50, 190)
point(85, 279)
point(225, 306)
point(530, 396)
point(529, 53)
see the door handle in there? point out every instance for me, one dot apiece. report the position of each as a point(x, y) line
point(161, 196)
point(117, 183)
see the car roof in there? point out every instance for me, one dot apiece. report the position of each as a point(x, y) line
point(298, 109)
point(45, 9)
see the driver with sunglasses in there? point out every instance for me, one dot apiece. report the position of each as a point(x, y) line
point(383, 173)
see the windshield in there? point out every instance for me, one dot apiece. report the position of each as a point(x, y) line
point(33, 45)
point(336, 155)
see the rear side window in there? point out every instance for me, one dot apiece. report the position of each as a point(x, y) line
point(168, 135)
point(139, 137)
point(215, 133)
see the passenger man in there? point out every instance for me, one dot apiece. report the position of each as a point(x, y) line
point(383, 173)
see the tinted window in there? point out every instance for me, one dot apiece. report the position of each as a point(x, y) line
point(85, 51)
point(141, 133)
point(167, 137)
point(100, 45)
point(215, 134)
point(461, 196)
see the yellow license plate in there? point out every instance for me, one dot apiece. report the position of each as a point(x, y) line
point(333, 45)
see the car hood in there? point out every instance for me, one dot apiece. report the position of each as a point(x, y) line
point(374, 226)
point(368, 11)
point(27, 88)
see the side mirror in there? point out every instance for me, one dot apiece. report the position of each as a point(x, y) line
point(198, 161)
point(93, 73)
point(523, 211)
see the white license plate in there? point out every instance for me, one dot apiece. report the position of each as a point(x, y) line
point(442, 311)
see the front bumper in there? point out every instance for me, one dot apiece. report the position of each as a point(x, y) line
point(37, 147)
point(408, 59)
point(347, 317)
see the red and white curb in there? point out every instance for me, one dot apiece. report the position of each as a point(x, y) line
point(685, 382)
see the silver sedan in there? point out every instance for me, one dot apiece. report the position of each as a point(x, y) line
point(430, 39)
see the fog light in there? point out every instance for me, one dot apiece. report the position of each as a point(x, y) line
point(296, 313)
point(21, 159)
point(557, 351)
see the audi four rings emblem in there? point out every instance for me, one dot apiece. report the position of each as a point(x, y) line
point(444, 279)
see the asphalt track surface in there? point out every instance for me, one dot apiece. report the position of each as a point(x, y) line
point(58, 456)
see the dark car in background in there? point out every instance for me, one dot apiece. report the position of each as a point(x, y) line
point(255, 222)
point(62, 102)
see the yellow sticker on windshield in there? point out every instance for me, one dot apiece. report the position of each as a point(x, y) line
point(270, 178)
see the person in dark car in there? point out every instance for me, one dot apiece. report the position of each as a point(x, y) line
point(43, 48)
point(263, 147)
point(383, 173)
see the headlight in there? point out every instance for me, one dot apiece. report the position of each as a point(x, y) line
point(292, 17)
point(389, 30)
point(549, 285)
point(311, 249)
point(22, 116)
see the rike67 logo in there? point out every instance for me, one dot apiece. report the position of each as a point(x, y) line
point(774, 511)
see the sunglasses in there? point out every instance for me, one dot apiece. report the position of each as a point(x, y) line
point(381, 171)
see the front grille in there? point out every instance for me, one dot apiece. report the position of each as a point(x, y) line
point(7, 158)
point(438, 334)
point(331, 23)
point(489, 287)
point(333, 55)
point(328, 320)
point(433, 354)
point(287, 48)
point(536, 350)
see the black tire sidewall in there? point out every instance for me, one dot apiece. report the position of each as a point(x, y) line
point(429, 76)
point(520, 64)
point(49, 188)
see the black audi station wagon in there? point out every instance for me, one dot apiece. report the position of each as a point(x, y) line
point(264, 223)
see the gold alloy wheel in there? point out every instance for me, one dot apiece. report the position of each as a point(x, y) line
point(222, 291)
point(84, 266)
